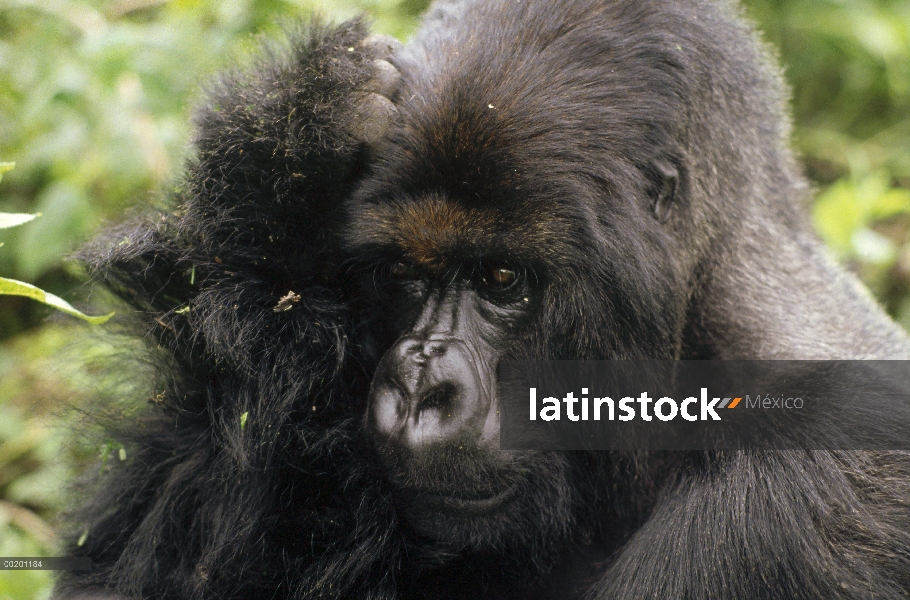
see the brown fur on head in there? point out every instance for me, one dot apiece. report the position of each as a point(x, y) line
point(432, 231)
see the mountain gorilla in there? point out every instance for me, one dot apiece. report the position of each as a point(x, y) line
point(356, 245)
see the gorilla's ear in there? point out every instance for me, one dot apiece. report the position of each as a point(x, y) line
point(666, 185)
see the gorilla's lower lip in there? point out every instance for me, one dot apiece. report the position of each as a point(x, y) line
point(466, 506)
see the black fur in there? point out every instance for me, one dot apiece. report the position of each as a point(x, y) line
point(635, 154)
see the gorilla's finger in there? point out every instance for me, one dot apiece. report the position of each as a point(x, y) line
point(372, 117)
point(381, 45)
point(385, 79)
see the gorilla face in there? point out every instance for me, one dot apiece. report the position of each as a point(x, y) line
point(450, 299)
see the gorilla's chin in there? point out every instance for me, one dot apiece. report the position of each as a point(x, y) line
point(450, 518)
point(453, 520)
point(462, 505)
point(521, 502)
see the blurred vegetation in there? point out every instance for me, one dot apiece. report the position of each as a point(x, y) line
point(93, 110)
point(848, 62)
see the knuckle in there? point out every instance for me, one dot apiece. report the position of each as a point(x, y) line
point(385, 79)
point(374, 114)
point(381, 45)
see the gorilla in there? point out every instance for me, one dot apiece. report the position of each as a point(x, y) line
point(364, 232)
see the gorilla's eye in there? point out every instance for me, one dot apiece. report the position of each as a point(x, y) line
point(499, 277)
point(402, 271)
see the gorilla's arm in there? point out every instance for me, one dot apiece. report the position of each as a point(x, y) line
point(228, 285)
point(736, 526)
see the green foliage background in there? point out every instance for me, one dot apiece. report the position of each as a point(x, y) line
point(94, 99)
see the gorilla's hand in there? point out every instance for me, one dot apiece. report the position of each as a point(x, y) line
point(374, 110)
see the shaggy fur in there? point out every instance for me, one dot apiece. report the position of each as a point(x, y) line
point(552, 121)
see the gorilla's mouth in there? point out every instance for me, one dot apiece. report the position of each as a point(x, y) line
point(464, 505)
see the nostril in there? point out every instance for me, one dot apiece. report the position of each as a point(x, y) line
point(421, 349)
point(435, 348)
point(414, 347)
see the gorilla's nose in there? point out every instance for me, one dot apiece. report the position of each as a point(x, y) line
point(427, 390)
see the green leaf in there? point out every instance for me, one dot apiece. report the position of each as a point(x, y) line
point(243, 420)
point(8, 220)
point(68, 218)
point(4, 167)
point(11, 287)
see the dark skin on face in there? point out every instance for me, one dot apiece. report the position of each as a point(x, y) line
point(434, 391)
point(433, 385)
point(453, 287)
